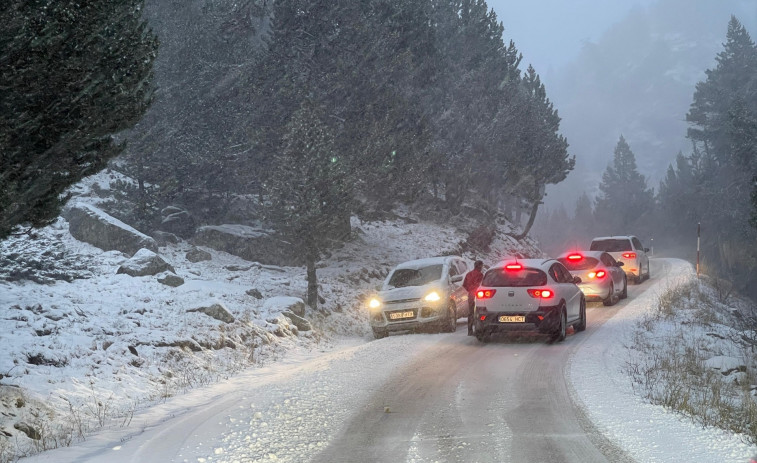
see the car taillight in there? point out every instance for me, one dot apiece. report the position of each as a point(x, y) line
point(514, 267)
point(599, 274)
point(485, 293)
point(541, 293)
point(575, 257)
point(629, 255)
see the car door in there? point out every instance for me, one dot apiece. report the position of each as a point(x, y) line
point(462, 294)
point(644, 259)
point(615, 272)
point(456, 291)
point(567, 290)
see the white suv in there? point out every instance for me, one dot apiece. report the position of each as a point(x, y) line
point(626, 249)
point(420, 293)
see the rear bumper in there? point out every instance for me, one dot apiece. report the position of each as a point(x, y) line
point(594, 292)
point(545, 320)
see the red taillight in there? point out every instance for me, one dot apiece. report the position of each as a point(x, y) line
point(599, 274)
point(575, 257)
point(514, 267)
point(541, 293)
point(629, 255)
point(482, 317)
point(485, 293)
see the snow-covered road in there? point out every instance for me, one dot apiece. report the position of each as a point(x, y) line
point(420, 398)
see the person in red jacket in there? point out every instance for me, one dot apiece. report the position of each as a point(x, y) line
point(471, 283)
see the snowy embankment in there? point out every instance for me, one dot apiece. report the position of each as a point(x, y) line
point(85, 348)
point(650, 433)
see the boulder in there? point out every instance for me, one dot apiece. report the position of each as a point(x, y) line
point(198, 255)
point(169, 279)
point(143, 263)
point(177, 221)
point(299, 322)
point(249, 243)
point(285, 304)
point(91, 225)
point(217, 311)
point(164, 238)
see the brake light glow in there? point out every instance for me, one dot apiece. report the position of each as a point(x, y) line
point(485, 293)
point(541, 293)
point(629, 255)
point(575, 257)
point(514, 267)
point(598, 274)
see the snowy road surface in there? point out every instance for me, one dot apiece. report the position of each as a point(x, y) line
point(412, 398)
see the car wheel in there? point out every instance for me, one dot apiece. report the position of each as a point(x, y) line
point(624, 294)
point(449, 325)
point(559, 335)
point(649, 273)
point(378, 333)
point(610, 299)
point(580, 325)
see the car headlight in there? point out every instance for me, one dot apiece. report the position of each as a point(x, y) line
point(432, 297)
point(374, 303)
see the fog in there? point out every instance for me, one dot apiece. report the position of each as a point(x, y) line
point(620, 68)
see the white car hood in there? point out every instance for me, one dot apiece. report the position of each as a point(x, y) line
point(407, 292)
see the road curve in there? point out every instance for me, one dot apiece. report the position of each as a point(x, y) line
point(459, 400)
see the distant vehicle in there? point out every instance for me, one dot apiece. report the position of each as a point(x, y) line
point(602, 277)
point(626, 249)
point(424, 293)
point(529, 294)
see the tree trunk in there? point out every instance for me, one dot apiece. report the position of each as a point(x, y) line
point(312, 280)
point(530, 223)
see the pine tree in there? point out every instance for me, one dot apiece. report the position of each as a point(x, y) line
point(74, 74)
point(307, 189)
point(624, 196)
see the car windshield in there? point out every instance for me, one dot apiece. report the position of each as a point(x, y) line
point(582, 264)
point(612, 245)
point(526, 277)
point(415, 277)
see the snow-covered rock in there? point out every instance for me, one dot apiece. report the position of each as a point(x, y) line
point(91, 225)
point(217, 311)
point(144, 263)
point(249, 243)
point(284, 304)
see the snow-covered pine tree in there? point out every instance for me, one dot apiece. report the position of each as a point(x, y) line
point(73, 75)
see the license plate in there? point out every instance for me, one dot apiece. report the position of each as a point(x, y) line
point(512, 319)
point(400, 315)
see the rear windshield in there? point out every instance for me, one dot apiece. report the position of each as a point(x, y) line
point(611, 245)
point(415, 277)
point(525, 277)
point(584, 264)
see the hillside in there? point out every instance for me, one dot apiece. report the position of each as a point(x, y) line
point(85, 347)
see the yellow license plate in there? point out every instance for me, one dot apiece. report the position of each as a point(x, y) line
point(400, 315)
point(512, 319)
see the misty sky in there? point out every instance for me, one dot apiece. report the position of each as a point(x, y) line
point(550, 33)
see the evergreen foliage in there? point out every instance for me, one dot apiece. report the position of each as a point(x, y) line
point(715, 184)
point(74, 74)
point(623, 194)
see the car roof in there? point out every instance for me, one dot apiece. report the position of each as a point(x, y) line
point(594, 254)
point(420, 263)
point(616, 237)
point(542, 263)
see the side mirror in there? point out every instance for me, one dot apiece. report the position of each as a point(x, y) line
point(646, 249)
point(576, 280)
point(456, 279)
point(619, 264)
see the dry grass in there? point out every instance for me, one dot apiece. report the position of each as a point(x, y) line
point(689, 326)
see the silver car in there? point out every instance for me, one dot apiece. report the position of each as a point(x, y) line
point(602, 277)
point(627, 249)
point(424, 293)
point(529, 294)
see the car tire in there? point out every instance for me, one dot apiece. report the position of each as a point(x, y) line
point(559, 335)
point(624, 294)
point(484, 338)
point(649, 273)
point(378, 333)
point(580, 325)
point(449, 324)
point(610, 299)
